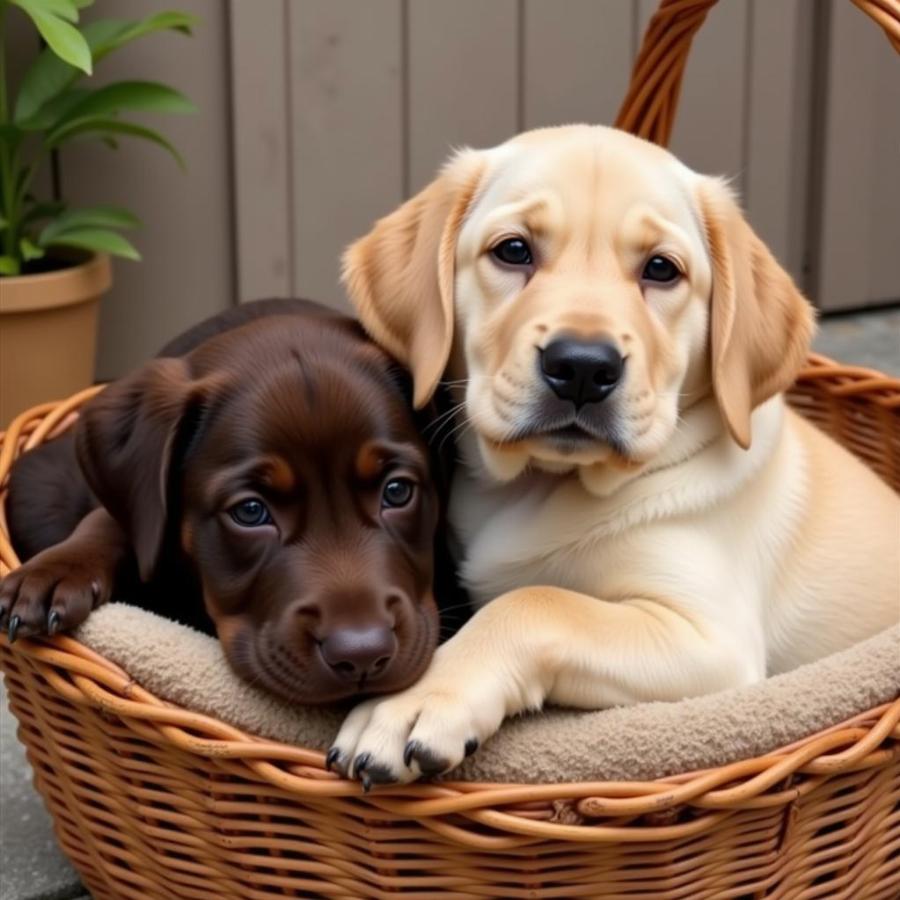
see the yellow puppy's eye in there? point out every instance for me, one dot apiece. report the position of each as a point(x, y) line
point(513, 252)
point(661, 269)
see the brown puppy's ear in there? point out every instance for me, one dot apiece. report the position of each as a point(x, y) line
point(760, 324)
point(400, 275)
point(125, 439)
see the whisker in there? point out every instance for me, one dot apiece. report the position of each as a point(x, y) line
point(457, 431)
point(445, 420)
point(441, 434)
point(443, 417)
point(446, 609)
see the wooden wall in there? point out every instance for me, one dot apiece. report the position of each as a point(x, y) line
point(855, 226)
point(318, 116)
point(349, 107)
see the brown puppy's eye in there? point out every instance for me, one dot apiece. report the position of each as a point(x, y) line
point(661, 269)
point(513, 252)
point(398, 492)
point(250, 513)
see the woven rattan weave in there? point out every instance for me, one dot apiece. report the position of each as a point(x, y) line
point(152, 801)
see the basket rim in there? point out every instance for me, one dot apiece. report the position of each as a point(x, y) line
point(84, 677)
point(855, 379)
point(869, 739)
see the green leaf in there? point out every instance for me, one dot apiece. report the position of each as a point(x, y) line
point(42, 211)
point(111, 38)
point(98, 240)
point(29, 250)
point(11, 135)
point(102, 126)
point(3, 222)
point(9, 265)
point(93, 217)
point(65, 9)
point(49, 75)
point(133, 95)
point(101, 35)
point(62, 38)
point(54, 110)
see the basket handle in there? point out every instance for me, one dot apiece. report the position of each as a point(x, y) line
point(652, 99)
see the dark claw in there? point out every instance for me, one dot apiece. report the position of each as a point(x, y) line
point(471, 746)
point(360, 763)
point(334, 754)
point(370, 773)
point(95, 591)
point(14, 623)
point(376, 774)
point(53, 621)
point(429, 764)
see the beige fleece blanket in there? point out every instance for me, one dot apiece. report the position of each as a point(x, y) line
point(628, 743)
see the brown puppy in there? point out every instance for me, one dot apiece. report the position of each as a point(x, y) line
point(269, 485)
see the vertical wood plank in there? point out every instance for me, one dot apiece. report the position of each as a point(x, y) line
point(577, 60)
point(859, 231)
point(259, 127)
point(186, 239)
point(346, 130)
point(778, 123)
point(709, 125)
point(463, 79)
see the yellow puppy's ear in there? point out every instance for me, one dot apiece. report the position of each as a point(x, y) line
point(400, 275)
point(760, 324)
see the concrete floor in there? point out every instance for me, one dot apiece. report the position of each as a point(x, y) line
point(867, 339)
point(31, 865)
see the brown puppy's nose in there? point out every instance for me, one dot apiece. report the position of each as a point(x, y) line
point(581, 371)
point(357, 653)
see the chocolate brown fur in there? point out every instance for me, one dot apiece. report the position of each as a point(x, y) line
point(282, 401)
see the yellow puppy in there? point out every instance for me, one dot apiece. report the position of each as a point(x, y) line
point(646, 517)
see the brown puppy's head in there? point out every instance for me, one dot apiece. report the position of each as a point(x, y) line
point(590, 289)
point(282, 457)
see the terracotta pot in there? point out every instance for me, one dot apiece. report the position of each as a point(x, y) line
point(48, 333)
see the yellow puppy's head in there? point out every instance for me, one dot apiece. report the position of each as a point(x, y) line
point(588, 288)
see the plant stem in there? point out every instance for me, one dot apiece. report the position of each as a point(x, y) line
point(3, 112)
point(7, 174)
point(26, 179)
point(9, 201)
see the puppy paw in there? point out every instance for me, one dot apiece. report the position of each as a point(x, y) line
point(54, 591)
point(424, 731)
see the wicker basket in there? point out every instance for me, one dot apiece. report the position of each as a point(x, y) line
point(150, 800)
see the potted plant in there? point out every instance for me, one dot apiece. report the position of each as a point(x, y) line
point(54, 260)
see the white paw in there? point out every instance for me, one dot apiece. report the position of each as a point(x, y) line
point(423, 731)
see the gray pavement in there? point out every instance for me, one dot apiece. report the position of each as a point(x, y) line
point(31, 865)
point(868, 339)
